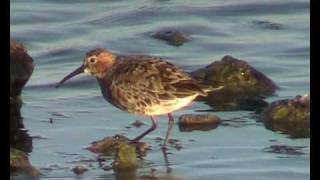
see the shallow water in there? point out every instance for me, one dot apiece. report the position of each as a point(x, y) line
point(58, 33)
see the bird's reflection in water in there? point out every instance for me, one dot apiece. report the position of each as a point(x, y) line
point(166, 160)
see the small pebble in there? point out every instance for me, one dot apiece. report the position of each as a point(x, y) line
point(137, 123)
point(202, 122)
point(285, 149)
point(79, 169)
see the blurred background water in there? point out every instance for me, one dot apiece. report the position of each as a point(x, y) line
point(58, 33)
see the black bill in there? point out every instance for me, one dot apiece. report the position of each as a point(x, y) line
point(79, 70)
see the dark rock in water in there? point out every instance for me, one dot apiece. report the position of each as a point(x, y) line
point(268, 24)
point(125, 153)
point(256, 104)
point(19, 162)
point(290, 116)
point(110, 145)
point(232, 102)
point(284, 149)
point(79, 169)
point(137, 123)
point(171, 36)
point(21, 68)
point(191, 122)
point(107, 145)
point(236, 76)
point(241, 83)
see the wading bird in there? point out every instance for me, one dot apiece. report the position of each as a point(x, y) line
point(141, 84)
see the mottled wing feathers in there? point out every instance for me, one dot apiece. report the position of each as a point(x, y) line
point(149, 80)
point(155, 74)
point(187, 88)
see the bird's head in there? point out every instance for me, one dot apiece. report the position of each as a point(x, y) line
point(97, 63)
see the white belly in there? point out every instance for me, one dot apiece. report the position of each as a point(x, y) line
point(166, 107)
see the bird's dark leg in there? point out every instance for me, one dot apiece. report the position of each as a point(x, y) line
point(153, 127)
point(170, 125)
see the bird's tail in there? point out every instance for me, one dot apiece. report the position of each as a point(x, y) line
point(207, 88)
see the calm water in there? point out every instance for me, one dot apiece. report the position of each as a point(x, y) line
point(58, 33)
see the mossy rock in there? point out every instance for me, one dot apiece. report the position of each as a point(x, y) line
point(126, 157)
point(241, 83)
point(21, 68)
point(19, 162)
point(236, 76)
point(290, 116)
point(110, 145)
point(202, 122)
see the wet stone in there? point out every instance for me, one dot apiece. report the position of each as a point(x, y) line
point(284, 149)
point(110, 145)
point(202, 122)
point(80, 169)
point(244, 86)
point(126, 157)
point(290, 116)
point(107, 145)
point(19, 162)
point(171, 36)
point(252, 104)
point(21, 68)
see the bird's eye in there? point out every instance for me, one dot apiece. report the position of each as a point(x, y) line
point(243, 73)
point(92, 60)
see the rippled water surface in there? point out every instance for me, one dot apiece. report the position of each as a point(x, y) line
point(58, 33)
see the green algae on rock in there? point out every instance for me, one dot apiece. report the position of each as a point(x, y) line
point(236, 76)
point(19, 162)
point(125, 154)
point(241, 82)
point(125, 162)
point(110, 145)
point(191, 122)
point(290, 116)
point(21, 68)
point(107, 145)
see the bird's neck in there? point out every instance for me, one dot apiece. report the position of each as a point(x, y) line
point(104, 84)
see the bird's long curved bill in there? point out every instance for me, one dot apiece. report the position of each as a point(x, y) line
point(79, 70)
